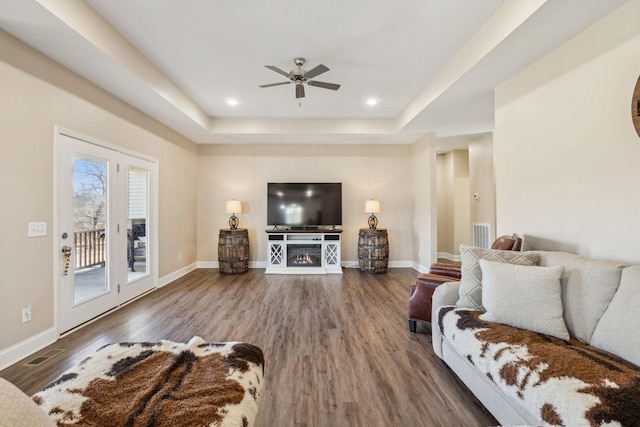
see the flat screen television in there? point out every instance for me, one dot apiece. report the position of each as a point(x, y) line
point(304, 204)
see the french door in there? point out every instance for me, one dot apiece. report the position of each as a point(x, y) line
point(136, 179)
point(106, 222)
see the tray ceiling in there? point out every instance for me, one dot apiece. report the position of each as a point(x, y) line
point(431, 64)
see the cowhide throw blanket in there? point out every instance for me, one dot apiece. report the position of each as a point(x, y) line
point(160, 384)
point(563, 383)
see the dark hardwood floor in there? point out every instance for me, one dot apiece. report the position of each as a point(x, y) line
point(337, 348)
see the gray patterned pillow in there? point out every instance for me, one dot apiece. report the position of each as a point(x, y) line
point(470, 291)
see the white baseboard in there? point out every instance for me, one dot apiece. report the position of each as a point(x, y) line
point(450, 257)
point(23, 349)
point(350, 264)
point(400, 264)
point(165, 280)
point(208, 264)
point(420, 268)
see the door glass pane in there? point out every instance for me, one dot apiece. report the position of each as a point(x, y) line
point(137, 223)
point(89, 225)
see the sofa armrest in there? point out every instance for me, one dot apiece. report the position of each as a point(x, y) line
point(445, 294)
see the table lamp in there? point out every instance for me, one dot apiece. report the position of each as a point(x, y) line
point(372, 207)
point(233, 207)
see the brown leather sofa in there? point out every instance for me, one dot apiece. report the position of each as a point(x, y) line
point(421, 291)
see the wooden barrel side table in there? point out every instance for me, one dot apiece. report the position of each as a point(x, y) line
point(233, 250)
point(373, 250)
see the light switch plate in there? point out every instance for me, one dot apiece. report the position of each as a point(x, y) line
point(37, 229)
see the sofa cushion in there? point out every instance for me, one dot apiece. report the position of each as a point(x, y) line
point(561, 383)
point(527, 297)
point(18, 410)
point(617, 330)
point(588, 285)
point(470, 291)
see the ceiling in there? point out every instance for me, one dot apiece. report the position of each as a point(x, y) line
point(431, 64)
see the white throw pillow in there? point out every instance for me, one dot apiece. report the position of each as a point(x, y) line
point(18, 410)
point(524, 297)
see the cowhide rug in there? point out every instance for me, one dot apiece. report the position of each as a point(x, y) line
point(563, 383)
point(160, 384)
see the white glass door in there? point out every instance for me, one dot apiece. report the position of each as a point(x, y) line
point(106, 220)
point(87, 182)
point(136, 181)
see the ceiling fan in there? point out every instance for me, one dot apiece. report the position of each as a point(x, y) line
point(301, 77)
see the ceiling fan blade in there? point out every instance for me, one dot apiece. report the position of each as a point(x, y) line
point(299, 91)
point(275, 84)
point(324, 85)
point(316, 71)
point(278, 70)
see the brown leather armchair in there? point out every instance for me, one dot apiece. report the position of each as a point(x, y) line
point(421, 291)
point(508, 243)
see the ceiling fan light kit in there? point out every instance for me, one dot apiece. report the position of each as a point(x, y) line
point(301, 77)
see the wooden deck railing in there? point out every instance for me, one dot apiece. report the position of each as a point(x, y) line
point(90, 248)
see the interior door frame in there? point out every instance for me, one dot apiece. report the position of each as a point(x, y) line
point(153, 215)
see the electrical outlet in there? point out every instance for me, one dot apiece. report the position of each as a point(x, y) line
point(26, 313)
point(37, 229)
point(179, 257)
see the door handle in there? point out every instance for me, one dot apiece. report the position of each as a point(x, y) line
point(66, 252)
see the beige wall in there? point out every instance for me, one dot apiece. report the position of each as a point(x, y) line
point(38, 94)
point(423, 178)
point(454, 215)
point(444, 164)
point(482, 181)
point(461, 198)
point(242, 172)
point(566, 152)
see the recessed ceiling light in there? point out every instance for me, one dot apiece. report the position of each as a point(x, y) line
point(232, 102)
point(372, 102)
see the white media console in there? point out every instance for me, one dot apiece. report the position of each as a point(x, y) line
point(304, 252)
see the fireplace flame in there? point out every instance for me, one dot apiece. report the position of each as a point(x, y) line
point(303, 259)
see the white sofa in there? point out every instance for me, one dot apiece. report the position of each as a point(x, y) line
point(531, 378)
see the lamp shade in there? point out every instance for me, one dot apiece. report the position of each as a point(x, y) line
point(233, 206)
point(372, 206)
